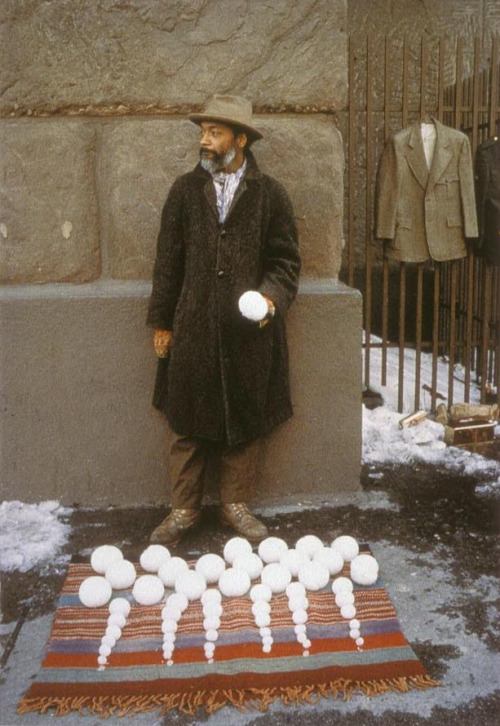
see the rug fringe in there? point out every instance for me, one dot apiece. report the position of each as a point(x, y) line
point(248, 699)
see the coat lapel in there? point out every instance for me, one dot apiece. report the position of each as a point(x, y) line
point(211, 197)
point(442, 154)
point(415, 156)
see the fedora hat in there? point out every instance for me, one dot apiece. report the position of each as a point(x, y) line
point(232, 110)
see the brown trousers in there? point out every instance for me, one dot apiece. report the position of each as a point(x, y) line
point(189, 458)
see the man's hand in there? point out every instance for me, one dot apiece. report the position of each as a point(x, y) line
point(162, 342)
point(270, 311)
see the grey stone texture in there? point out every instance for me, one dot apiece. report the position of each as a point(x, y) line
point(140, 158)
point(48, 219)
point(69, 54)
point(76, 385)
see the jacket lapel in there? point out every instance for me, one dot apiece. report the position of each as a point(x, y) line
point(442, 154)
point(415, 156)
point(211, 197)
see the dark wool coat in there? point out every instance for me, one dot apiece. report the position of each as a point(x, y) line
point(226, 379)
point(488, 199)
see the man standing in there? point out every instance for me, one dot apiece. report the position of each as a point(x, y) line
point(222, 378)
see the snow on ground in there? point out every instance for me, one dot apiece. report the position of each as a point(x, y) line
point(31, 534)
point(385, 443)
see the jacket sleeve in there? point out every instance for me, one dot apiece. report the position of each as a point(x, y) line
point(482, 180)
point(386, 191)
point(168, 272)
point(281, 258)
point(466, 176)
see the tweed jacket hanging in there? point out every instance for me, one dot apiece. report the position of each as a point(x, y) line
point(425, 213)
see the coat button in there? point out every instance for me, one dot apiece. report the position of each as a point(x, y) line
point(221, 273)
point(223, 233)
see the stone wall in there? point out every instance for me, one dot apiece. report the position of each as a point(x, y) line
point(94, 131)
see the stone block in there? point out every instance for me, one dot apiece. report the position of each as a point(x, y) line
point(76, 382)
point(140, 159)
point(169, 54)
point(49, 220)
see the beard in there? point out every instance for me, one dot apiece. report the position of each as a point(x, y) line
point(217, 162)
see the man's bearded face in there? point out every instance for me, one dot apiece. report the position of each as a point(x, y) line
point(217, 146)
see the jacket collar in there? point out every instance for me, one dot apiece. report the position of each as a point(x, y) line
point(427, 178)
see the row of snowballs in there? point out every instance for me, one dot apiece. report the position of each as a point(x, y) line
point(276, 565)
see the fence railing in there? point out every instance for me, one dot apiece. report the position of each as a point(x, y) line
point(448, 309)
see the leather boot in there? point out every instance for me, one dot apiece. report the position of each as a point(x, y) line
point(175, 526)
point(240, 518)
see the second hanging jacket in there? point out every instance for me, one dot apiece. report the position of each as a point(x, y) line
point(426, 213)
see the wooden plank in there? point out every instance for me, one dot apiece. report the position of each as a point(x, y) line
point(423, 77)
point(405, 99)
point(442, 49)
point(494, 110)
point(475, 94)
point(459, 66)
point(468, 325)
point(485, 330)
point(385, 318)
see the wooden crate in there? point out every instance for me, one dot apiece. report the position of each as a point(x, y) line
point(470, 434)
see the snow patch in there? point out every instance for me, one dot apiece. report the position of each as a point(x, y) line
point(385, 443)
point(32, 534)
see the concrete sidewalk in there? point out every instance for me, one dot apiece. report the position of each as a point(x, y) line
point(437, 545)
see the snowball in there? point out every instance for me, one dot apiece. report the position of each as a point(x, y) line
point(314, 576)
point(212, 608)
point(295, 589)
point(266, 648)
point(95, 592)
point(120, 574)
point(102, 660)
point(177, 600)
point(253, 305)
point(154, 557)
point(341, 583)
point(299, 617)
point(104, 650)
point(267, 640)
point(271, 549)
point(211, 635)
point(346, 546)
point(309, 545)
point(211, 567)
point(298, 603)
point(299, 628)
point(354, 633)
point(354, 623)
point(364, 570)
point(211, 623)
point(264, 631)
point(251, 563)
point(117, 619)
point(119, 605)
point(234, 583)
point(293, 561)
point(344, 597)
point(168, 626)
point(102, 557)
point(236, 546)
point(108, 640)
point(261, 606)
point(262, 620)
point(261, 592)
point(348, 611)
point(307, 644)
point(360, 641)
point(211, 596)
point(301, 637)
point(170, 612)
point(171, 569)
point(148, 590)
point(331, 558)
point(114, 631)
point(168, 637)
point(191, 584)
point(209, 647)
point(276, 577)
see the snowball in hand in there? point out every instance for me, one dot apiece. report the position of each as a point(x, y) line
point(253, 305)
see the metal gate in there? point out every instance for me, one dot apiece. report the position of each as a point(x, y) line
point(448, 310)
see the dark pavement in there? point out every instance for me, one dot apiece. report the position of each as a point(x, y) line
point(437, 544)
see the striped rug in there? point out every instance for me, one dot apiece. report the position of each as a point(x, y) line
point(137, 678)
